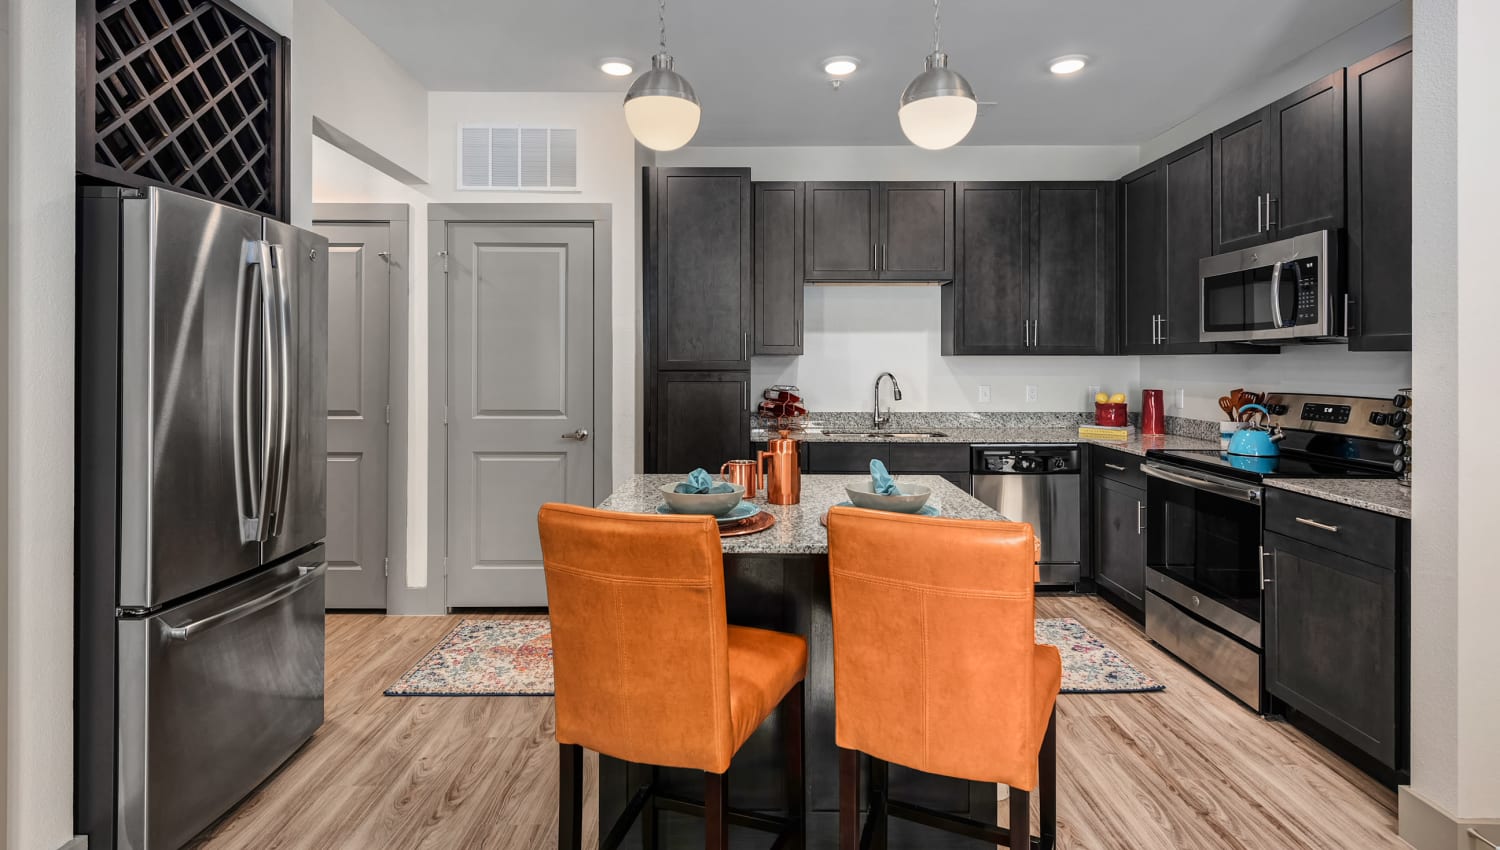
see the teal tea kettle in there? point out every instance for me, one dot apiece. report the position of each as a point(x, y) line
point(1256, 440)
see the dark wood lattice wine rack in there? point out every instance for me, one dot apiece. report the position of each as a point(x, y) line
point(189, 94)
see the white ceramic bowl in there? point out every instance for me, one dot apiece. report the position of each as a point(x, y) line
point(911, 500)
point(714, 504)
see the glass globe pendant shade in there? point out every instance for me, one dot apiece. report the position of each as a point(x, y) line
point(938, 107)
point(660, 108)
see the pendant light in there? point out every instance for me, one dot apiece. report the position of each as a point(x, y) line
point(660, 108)
point(938, 107)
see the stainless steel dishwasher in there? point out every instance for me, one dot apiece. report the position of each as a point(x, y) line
point(1039, 484)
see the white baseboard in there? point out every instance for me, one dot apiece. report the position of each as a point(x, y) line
point(1427, 826)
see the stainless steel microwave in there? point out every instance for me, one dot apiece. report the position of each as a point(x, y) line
point(1279, 292)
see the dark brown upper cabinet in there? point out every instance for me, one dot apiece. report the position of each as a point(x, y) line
point(778, 268)
point(987, 309)
point(698, 279)
point(1278, 172)
point(879, 231)
point(916, 231)
point(190, 96)
point(843, 230)
point(1379, 162)
point(1035, 270)
point(1165, 229)
point(1073, 268)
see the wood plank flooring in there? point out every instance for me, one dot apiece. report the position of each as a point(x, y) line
point(1188, 768)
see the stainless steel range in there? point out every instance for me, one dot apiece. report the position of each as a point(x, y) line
point(1204, 561)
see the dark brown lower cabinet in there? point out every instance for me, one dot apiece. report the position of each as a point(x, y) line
point(1333, 644)
point(701, 419)
point(1120, 545)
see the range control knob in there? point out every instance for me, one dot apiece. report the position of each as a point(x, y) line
point(1397, 419)
point(1400, 433)
point(1278, 409)
point(1378, 418)
point(1401, 400)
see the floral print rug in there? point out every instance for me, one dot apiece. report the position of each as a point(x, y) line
point(513, 657)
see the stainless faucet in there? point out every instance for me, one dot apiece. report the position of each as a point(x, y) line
point(878, 420)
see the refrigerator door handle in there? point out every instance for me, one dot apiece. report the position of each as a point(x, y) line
point(245, 609)
point(245, 489)
point(268, 380)
point(284, 390)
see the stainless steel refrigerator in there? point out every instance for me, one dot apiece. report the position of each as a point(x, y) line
point(202, 363)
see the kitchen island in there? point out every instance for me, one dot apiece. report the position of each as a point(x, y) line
point(778, 579)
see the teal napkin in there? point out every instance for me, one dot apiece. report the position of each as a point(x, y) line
point(699, 481)
point(881, 481)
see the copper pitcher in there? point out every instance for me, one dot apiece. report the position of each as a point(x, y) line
point(781, 468)
point(745, 473)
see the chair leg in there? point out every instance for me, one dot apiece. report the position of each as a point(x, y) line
point(1047, 775)
point(848, 799)
point(796, 788)
point(1020, 819)
point(716, 811)
point(880, 817)
point(649, 819)
point(570, 797)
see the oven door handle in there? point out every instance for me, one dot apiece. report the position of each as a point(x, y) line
point(1238, 492)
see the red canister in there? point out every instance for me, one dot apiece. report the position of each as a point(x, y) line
point(1153, 412)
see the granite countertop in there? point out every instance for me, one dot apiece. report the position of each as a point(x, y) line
point(799, 528)
point(1381, 495)
point(1137, 444)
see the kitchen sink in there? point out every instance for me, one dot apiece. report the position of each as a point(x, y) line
point(891, 435)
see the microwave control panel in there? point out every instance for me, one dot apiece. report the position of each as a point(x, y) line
point(1306, 275)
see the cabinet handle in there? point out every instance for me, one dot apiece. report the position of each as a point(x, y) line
point(1263, 580)
point(1319, 525)
point(746, 337)
point(1036, 332)
point(1270, 222)
point(1161, 330)
point(1140, 517)
point(797, 328)
point(1115, 466)
point(874, 257)
point(1348, 304)
point(1260, 226)
point(1027, 326)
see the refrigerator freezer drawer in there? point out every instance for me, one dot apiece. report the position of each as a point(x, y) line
point(214, 695)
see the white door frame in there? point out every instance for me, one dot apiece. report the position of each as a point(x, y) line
point(398, 598)
point(438, 218)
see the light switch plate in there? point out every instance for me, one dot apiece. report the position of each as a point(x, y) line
point(984, 393)
point(1181, 398)
point(1031, 392)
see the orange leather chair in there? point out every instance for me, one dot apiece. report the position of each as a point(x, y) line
point(649, 671)
point(936, 667)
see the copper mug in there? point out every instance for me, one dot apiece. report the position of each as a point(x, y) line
point(781, 468)
point(745, 473)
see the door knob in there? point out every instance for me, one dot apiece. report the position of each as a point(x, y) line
point(580, 435)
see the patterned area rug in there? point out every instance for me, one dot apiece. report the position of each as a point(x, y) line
point(1091, 666)
point(513, 657)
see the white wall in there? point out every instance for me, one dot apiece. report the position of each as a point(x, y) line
point(853, 334)
point(1455, 585)
point(1304, 368)
point(39, 410)
point(965, 162)
point(4, 393)
point(607, 173)
point(1382, 30)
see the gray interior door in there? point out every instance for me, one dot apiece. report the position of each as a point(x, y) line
point(520, 399)
point(359, 284)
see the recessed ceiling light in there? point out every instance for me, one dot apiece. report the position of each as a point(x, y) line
point(616, 67)
point(840, 66)
point(1065, 65)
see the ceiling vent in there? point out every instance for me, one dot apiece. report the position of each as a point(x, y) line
point(527, 159)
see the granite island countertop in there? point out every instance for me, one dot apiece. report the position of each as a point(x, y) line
point(799, 528)
point(1137, 444)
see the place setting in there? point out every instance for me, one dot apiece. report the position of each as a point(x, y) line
point(724, 500)
point(882, 493)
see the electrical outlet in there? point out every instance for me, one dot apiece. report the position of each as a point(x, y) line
point(984, 393)
point(1093, 394)
point(1031, 392)
point(1181, 398)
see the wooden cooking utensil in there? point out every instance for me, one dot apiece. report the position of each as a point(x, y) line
point(1226, 404)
